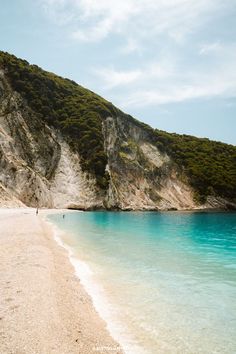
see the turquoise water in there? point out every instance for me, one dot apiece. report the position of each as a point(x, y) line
point(166, 282)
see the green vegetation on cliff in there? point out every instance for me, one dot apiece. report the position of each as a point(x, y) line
point(78, 114)
point(210, 165)
point(68, 107)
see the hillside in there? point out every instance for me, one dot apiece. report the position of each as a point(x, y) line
point(51, 126)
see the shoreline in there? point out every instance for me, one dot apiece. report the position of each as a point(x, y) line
point(44, 307)
point(107, 311)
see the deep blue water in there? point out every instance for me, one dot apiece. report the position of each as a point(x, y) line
point(168, 280)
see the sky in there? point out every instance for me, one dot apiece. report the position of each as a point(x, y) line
point(169, 63)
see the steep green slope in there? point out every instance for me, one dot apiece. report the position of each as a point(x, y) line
point(66, 106)
point(210, 165)
point(78, 114)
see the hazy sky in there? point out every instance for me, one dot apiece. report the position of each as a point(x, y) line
point(170, 63)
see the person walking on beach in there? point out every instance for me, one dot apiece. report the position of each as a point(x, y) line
point(37, 211)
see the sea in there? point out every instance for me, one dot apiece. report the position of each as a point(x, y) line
point(163, 282)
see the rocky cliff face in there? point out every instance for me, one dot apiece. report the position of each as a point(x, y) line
point(141, 177)
point(39, 168)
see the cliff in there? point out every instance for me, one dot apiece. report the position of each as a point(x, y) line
point(63, 146)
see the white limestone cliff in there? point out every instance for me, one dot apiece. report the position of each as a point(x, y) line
point(39, 168)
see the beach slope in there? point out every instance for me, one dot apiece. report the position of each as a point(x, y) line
point(43, 308)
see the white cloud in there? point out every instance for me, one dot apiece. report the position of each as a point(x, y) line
point(178, 94)
point(217, 83)
point(131, 46)
point(151, 71)
point(113, 78)
point(175, 63)
point(164, 82)
point(210, 48)
point(93, 20)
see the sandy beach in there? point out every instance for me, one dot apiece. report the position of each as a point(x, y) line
point(43, 307)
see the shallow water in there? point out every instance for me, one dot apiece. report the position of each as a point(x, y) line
point(165, 282)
